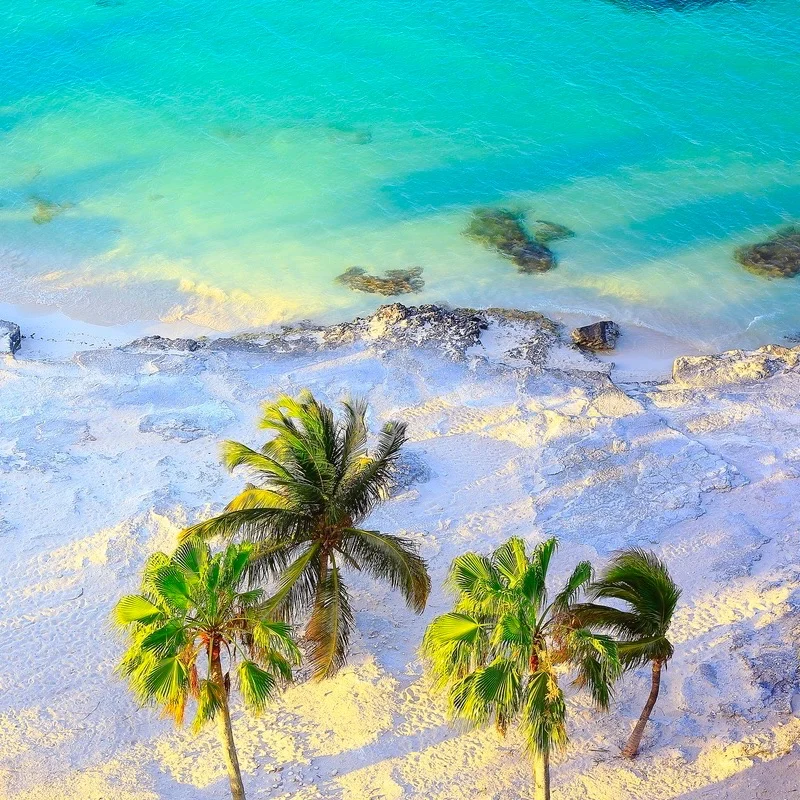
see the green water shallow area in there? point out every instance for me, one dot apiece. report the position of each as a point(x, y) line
point(225, 162)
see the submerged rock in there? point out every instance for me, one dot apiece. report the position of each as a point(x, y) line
point(777, 257)
point(545, 232)
point(597, 336)
point(503, 231)
point(671, 5)
point(45, 211)
point(10, 337)
point(395, 281)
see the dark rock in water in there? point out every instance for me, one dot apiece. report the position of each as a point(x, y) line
point(396, 281)
point(351, 134)
point(597, 336)
point(672, 5)
point(503, 231)
point(160, 344)
point(10, 337)
point(777, 257)
point(545, 232)
point(45, 211)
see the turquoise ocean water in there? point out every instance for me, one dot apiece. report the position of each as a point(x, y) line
point(223, 161)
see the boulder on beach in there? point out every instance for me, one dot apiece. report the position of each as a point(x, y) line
point(598, 336)
point(10, 337)
point(395, 281)
point(776, 257)
point(503, 230)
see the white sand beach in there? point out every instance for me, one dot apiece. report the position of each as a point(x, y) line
point(106, 452)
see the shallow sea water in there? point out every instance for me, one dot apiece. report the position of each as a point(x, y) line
point(223, 162)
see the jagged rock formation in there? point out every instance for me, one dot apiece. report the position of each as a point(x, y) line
point(10, 337)
point(599, 336)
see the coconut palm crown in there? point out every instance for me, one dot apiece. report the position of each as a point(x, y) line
point(500, 652)
point(316, 483)
point(641, 582)
point(191, 627)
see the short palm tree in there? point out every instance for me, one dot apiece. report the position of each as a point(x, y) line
point(190, 627)
point(317, 484)
point(641, 582)
point(500, 652)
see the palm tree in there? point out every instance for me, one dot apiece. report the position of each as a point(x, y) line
point(188, 629)
point(499, 652)
point(317, 484)
point(641, 581)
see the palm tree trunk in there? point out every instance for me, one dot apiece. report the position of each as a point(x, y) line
point(631, 749)
point(541, 770)
point(226, 729)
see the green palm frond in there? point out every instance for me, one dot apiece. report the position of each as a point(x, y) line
point(641, 582)
point(511, 560)
point(298, 585)
point(576, 582)
point(637, 653)
point(314, 482)
point(135, 608)
point(235, 454)
point(256, 685)
point(544, 714)
point(494, 653)
point(167, 681)
point(392, 559)
point(254, 524)
point(330, 625)
point(474, 578)
point(210, 699)
point(192, 629)
point(255, 497)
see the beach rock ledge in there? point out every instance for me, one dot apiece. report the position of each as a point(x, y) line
point(10, 337)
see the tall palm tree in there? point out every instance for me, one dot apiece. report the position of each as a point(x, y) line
point(641, 581)
point(498, 653)
point(317, 485)
point(190, 627)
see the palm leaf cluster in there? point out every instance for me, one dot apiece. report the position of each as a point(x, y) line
point(192, 629)
point(640, 583)
point(314, 483)
point(500, 652)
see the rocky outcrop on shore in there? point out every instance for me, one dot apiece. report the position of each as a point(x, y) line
point(735, 366)
point(10, 337)
point(527, 335)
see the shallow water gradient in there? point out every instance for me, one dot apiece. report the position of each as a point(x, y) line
point(223, 162)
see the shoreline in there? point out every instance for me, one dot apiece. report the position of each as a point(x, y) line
point(642, 354)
